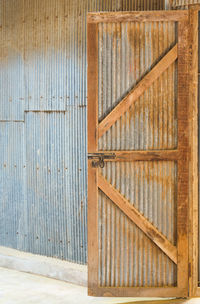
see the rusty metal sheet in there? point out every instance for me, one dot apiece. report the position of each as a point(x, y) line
point(129, 51)
point(126, 53)
point(127, 257)
point(12, 81)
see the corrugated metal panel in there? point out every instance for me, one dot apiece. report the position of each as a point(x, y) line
point(178, 4)
point(46, 41)
point(127, 51)
point(12, 182)
point(60, 49)
point(12, 92)
point(43, 67)
point(127, 257)
point(56, 183)
point(150, 187)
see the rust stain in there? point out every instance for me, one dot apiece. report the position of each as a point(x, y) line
point(127, 261)
point(11, 28)
point(114, 31)
point(81, 212)
point(136, 37)
point(153, 115)
point(163, 173)
point(34, 26)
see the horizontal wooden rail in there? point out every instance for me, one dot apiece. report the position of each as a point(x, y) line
point(177, 15)
point(138, 219)
point(144, 155)
point(173, 301)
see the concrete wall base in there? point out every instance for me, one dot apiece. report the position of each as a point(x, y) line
point(45, 266)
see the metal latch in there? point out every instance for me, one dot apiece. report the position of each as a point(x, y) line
point(100, 156)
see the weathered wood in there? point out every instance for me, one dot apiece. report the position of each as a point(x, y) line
point(92, 146)
point(92, 53)
point(164, 292)
point(179, 255)
point(144, 16)
point(144, 155)
point(193, 159)
point(194, 6)
point(129, 210)
point(183, 146)
point(140, 88)
point(197, 293)
point(173, 301)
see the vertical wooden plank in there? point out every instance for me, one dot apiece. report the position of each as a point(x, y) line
point(193, 157)
point(92, 53)
point(92, 59)
point(183, 140)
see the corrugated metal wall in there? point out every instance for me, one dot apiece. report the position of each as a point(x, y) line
point(43, 98)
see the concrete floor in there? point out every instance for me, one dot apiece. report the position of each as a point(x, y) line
point(24, 288)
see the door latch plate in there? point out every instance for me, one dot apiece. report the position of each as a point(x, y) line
point(100, 158)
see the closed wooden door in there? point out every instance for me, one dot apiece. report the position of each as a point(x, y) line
point(138, 153)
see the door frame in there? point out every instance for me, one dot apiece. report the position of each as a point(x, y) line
point(194, 290)
point(181, 17)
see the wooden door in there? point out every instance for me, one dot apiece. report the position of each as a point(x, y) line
point(138, 154)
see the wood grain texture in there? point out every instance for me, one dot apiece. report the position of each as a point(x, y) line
point(137, 16)
point(193, 157)
point(195, 6)
point(138, 219)
point(140, 88)
point(197, 292)
point(144, 155)
point(183, 146)
point(164, 292)
point(92, 52)
point(173, 301)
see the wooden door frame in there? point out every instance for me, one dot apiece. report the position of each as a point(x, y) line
point(183, 141)
point(194, 290)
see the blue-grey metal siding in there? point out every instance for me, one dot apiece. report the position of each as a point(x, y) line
point(12, 182)
point(43, 98)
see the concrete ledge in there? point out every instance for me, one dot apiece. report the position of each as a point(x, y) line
point(45, 266)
